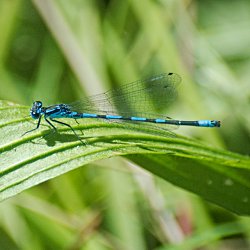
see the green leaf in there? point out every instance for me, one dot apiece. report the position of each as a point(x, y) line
point(219, 176)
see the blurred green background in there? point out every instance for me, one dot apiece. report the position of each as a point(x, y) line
point(60, 51)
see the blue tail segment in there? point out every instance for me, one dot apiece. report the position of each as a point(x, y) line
point(159, 90)
point(208, 123)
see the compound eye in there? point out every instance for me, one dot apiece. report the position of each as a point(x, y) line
point(38, 104)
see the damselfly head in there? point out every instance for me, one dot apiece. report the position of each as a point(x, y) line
point(36, 109)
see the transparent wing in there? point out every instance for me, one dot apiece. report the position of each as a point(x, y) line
point(145, 98)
